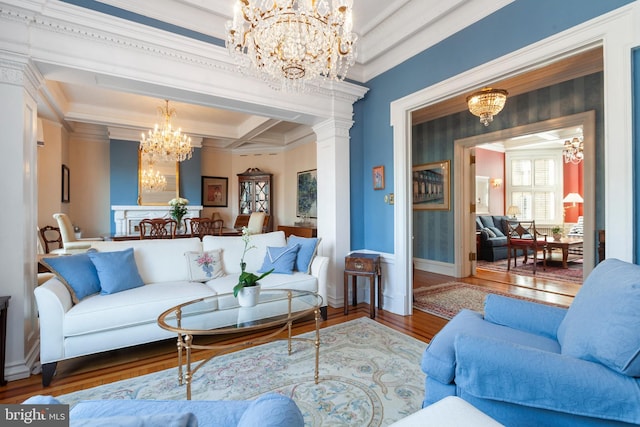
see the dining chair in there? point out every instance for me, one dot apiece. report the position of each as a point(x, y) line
point(204, 226)
point(51, 239)
point(158, 228)
point(523, 235)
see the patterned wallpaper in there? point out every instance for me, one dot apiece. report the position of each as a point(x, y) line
point(434, 141)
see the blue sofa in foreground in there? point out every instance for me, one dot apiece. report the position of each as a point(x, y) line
point(529, 364)
point(268, 410)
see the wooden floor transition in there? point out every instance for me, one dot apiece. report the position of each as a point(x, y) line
point(90, 371)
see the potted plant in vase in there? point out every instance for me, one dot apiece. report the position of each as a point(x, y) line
point(248, 289)
point(556, 232)
point(178, 210)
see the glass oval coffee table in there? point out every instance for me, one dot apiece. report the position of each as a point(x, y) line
point(220, 315)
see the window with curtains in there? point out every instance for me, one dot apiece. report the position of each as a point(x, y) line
point(534, 184)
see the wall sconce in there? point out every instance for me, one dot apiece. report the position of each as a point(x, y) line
point(496, 182)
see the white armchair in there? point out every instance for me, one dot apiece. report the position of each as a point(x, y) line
point(69, 241)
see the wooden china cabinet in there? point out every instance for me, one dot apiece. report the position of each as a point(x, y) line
point(256, 195)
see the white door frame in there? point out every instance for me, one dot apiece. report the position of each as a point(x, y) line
point(615, 32)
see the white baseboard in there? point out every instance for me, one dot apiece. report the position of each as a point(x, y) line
point(437, 267)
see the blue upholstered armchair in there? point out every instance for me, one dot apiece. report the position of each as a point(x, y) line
point(528, 364)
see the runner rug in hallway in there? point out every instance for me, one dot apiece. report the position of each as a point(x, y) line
point(369, 376)
point(447, 299)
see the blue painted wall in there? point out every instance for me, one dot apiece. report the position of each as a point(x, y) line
point(521, 23)
point(123, 179)
point(434, 141)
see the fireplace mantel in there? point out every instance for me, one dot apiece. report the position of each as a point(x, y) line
point(127, 218)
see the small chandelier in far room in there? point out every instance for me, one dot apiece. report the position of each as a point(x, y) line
point(152, 180)
point(573, 150)
point(486, 103)
point(290, 42)
point(165, 143)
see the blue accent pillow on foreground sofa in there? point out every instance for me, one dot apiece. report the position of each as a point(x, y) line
point(117, 271)
point(602, 323)
point(77, 273)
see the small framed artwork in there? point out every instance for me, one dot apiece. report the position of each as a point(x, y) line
point(215, 191)
point(378, 177)
point(431, 183)
point(66, 198)
point(307, 194)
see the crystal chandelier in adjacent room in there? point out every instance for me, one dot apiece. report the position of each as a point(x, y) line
point(291, 42)
point(486, 103)
point(152, 180)
point(165, 143)
point(573, 150)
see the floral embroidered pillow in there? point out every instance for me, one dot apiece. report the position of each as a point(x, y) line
point(204, 266)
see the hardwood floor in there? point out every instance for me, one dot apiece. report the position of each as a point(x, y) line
point(90, 371)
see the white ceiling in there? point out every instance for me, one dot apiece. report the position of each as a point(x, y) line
point(389, 33)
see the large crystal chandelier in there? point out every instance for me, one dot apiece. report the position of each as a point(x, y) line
point(165, 143)
point(152, 180)
point(573, 150)
point(290, 42)
point(486, 103)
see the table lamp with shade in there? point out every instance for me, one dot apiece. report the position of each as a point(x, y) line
point(573, 198)
point(513, 211)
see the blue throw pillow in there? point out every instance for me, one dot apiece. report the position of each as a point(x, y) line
point(77, 272)
point(308, 248)
point(117, 271)
point(280, 259)
point(601, 324)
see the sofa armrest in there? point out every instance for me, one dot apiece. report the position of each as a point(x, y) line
point(490, 368)
point(320, 269)
point(53, 301)
point(539, 319)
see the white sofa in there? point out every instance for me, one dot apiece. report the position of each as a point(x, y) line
point(100, 323)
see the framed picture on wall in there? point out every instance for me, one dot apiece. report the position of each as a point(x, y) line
point(431, 186)
point(307, 194)
point(215, 191)
point(378, 177)
point(66, 197)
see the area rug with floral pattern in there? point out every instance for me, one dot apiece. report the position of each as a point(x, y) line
point(447, 299)
point(369, 376)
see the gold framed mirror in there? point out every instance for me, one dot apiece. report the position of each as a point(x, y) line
point(158, 196)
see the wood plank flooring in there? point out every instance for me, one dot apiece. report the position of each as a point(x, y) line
point(90, 371)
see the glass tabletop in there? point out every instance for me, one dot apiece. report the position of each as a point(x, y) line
point(221, 314)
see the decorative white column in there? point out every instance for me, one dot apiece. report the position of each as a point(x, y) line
point(19, 81)
point(334, 214)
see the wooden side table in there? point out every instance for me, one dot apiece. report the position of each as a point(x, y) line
point(4, 305)
point(367, 265)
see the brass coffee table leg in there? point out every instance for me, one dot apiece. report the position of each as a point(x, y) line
point(180, 345)
point(188, 339)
